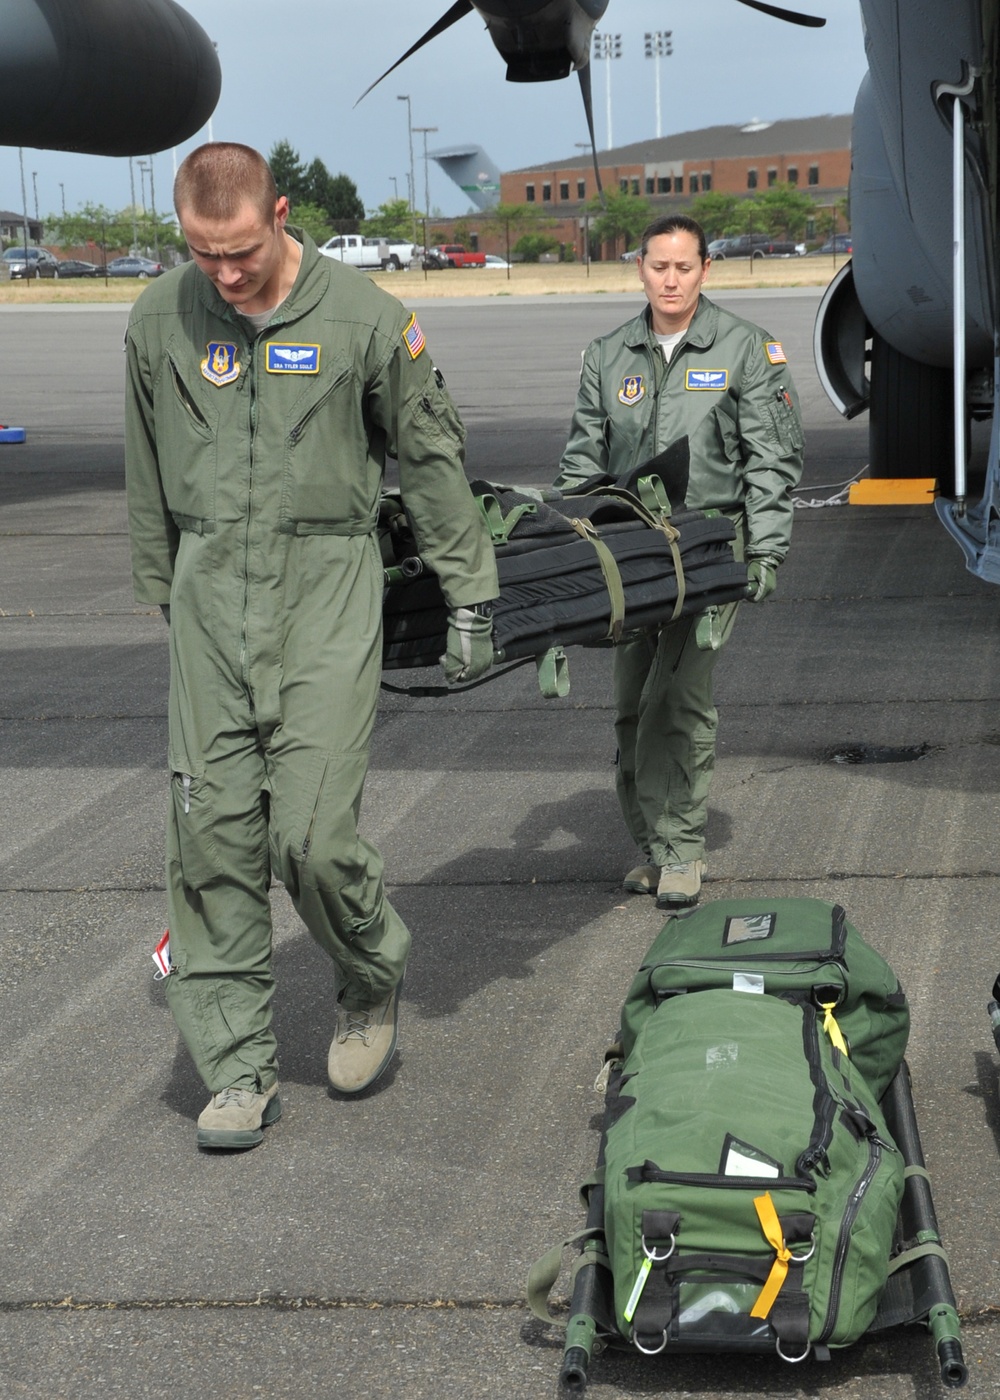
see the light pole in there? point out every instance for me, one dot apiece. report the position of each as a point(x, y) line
point(405, 97)
point(427, 188)
point(608, 46)
point(28, 272)
point(658, 46)
point(34, 184)
point(131, 185)
point(62, 196)
point(152, 210)
point(395, 188)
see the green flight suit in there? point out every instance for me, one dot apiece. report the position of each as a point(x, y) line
point(254, 467)
point(727, 388)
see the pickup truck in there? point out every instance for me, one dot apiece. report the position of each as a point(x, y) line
point(452, 255)
point(754, 245)
point(356, 251)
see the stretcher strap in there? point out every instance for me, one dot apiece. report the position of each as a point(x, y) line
point(544, 1272)
point(919, 1251)
point(673, 535)
point(612, 578)
point(771, 1226)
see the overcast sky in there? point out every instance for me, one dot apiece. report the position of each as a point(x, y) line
point(293, 72)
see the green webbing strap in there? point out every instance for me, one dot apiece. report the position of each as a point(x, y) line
point(654, 510)
point(544, 1272)
point(512, 517)
point(612, 578)
point(916, 1171)
point(498, 525)
point(673, 535)
point(553, 673)
point(653, 496)
point(489, 508)
point(919, 1251)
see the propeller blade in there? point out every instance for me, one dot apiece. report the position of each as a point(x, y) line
point(792, 16)
point(588, 107)
point(458, 11)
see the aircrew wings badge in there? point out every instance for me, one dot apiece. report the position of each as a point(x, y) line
point(633, 389)
point(220, 366)
point(413, 337)
point(774, 352)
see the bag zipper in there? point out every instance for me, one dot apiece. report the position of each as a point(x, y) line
point(875, 1145)
point(653, 1173)
point(814, 1157)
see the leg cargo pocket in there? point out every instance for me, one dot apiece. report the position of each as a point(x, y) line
point(191, 831)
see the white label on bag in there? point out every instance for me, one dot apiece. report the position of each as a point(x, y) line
point(748, 982)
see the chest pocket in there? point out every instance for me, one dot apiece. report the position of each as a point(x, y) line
point(187, 432)
point(329, 483)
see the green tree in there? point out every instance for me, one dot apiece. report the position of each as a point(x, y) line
point(530, 246)
point(624, 216)
point(784, 209)
point(716, 212)
point(511, 221)
point(289, 172)
point(313, 219)
point(338, 195)
point(391, 220)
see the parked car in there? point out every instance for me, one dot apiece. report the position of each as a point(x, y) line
point(630, 256)
point(494, 260)
point(754, 245)
point(31, 262)
point(452, 255)
point(76, 267)
point(134, 267)
point(839, 243)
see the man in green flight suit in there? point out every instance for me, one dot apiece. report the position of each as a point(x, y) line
point(266, 385)
point(682, 368)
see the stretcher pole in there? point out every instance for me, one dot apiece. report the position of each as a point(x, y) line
point(918, 1222)
point(582, 1326)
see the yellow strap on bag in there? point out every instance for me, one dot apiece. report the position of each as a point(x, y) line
point(832, 1029)
point(771, 1225)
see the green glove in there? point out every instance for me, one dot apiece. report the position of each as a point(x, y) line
point(469, 653)
point(762, 575)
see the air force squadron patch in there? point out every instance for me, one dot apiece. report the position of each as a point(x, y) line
point(774, 352)
point(413, 337)
point(220, 366)
point(715, 379)
point(284, 358)
point(632, 391)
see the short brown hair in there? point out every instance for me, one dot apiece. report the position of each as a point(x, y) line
point(674, 223)
point(215, 180)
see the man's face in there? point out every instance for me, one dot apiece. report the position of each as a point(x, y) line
point(672, 274)
point(242, 256)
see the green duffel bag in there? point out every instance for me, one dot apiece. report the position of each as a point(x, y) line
point(751, 1184)
point(777, 946)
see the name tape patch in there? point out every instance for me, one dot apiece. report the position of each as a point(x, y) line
point(289, 357)
point(774, 352)
point(220, 366)
point(714, 379)
point(633, 390)
point(413, 336)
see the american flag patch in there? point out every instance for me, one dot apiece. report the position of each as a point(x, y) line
point(774, 352)
point(413, 337)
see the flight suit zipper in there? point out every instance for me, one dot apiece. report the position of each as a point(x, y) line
point(252, 416)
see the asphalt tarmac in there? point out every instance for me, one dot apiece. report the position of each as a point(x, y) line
point(378, 1248)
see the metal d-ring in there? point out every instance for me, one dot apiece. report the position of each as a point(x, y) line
point(801, 1258)
point(651, 1351)
point(792, 1360)
point(654, 1254)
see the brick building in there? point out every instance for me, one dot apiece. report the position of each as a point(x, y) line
point(812, 153)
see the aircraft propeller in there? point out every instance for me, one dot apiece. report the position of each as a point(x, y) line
point(535, 64)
